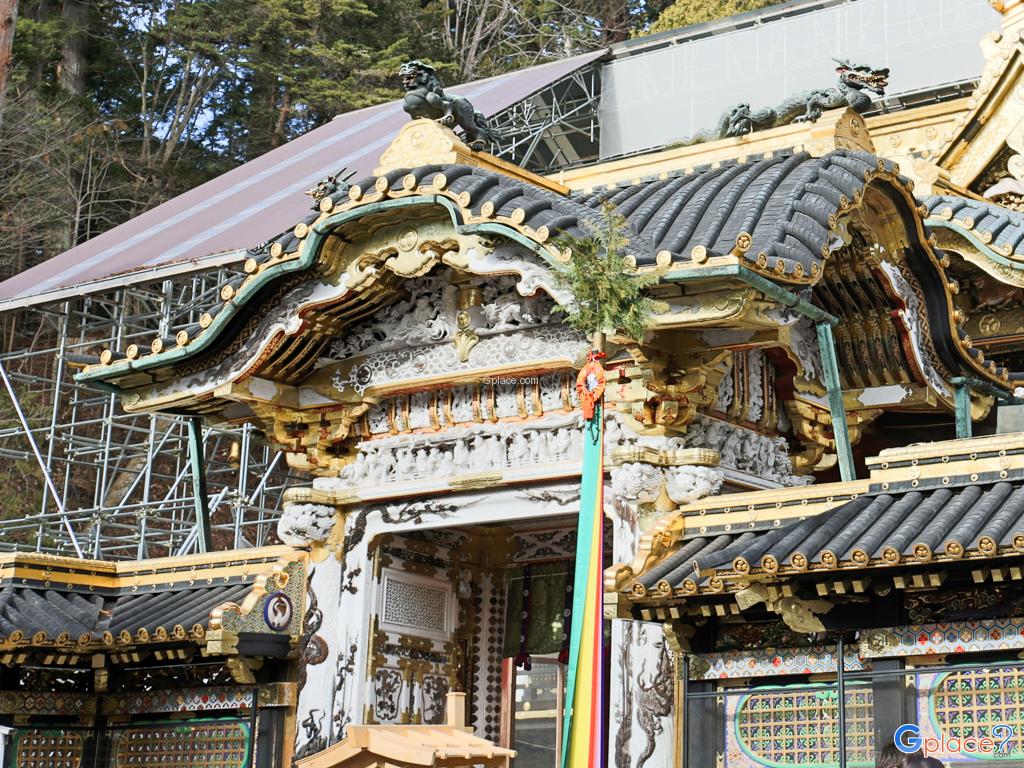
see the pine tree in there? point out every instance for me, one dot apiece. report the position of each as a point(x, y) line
point(608, 291)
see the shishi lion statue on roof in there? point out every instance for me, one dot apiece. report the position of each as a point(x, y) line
point(425, 97)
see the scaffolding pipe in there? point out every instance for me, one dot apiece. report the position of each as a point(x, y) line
point(101, 462)
point(55, 411)
point(39, 458)
point(195, 534)
point(197, 459)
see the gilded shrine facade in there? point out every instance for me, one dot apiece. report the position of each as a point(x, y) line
point(825, 290)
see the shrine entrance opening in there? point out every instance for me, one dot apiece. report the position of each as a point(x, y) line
point(538, 698)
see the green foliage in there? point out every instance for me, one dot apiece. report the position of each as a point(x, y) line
point(602, 278)
point(175, 92)
point(683, 13)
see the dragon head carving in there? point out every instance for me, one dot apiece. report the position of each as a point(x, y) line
point(861, 77)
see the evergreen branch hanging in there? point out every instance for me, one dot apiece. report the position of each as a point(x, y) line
point(608, 292)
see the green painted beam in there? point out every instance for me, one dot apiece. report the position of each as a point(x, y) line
point(754, 280)
point(826, 344)
point(840, 430)
point(962, 400)
point(197, 460)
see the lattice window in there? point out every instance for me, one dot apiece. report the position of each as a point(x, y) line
point(49, 749)
point(415, 605)
point(967, 704)
point(800, 727)
point(186, 745)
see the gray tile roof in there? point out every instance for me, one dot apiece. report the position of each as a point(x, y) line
point(994, 225)
point(775, 212)
point(31, 609)
point(935, 521)
point(784, 206)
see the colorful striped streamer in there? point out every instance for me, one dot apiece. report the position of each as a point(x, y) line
point(581, 731)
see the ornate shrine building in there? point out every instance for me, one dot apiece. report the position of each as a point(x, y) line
point(805, 546)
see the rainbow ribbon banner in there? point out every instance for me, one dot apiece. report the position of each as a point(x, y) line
point(582, 737)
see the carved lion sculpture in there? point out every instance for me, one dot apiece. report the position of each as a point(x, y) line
point(425, 97)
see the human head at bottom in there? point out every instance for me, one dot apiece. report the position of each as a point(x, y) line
point(891, 757)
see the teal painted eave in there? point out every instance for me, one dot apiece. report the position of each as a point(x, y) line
point(970, 237)
point(308, 254)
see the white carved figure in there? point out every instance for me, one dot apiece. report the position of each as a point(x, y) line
point(437, 328)
point(376, 464)
point(564, 443)
point(507, 404)
point(422, 462)
point(419, 411)
point(433, 460)
point(637, 481)
point(478, 456)
point(686, 484)
point(550, 393)
point(462, 405)
point(403, 461)
point(536, 446)
point(804, 344)
point(415, 320)
point(356, 469)
point(499, 458)
point(725, 392)
point(613, 435)
point(755, 388)
point(519, 450)
point(550, 446)
point(742, 449)
point(302, 524)
point(482, 447)
point(503, 315)
point(446, 466)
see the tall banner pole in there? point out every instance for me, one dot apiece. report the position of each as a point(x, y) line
point(582, 738)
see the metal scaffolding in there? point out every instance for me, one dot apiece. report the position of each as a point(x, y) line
point(555, 128)
point(106, 484)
